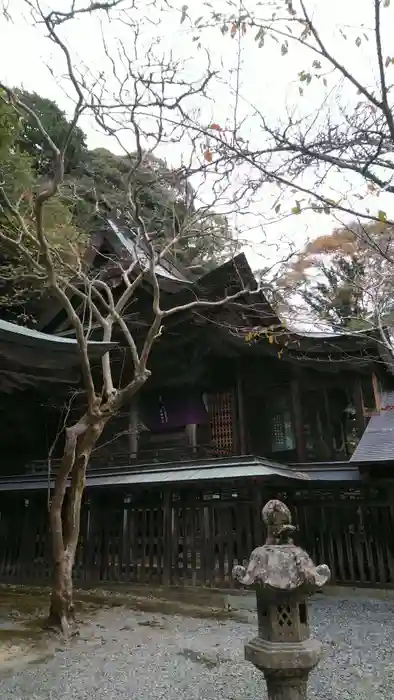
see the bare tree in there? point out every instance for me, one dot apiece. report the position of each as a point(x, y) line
point(152, 91)
point(328, 153)
point(330, 150)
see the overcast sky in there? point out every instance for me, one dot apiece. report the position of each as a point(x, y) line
point(266, 81)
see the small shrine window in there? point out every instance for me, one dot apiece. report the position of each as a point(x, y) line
point(282, 432)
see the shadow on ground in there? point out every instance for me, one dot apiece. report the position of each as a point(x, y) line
point(24, 638)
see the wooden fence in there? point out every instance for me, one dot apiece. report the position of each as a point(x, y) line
point(195, 537)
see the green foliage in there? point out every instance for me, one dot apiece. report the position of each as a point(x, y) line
point(165, 202)
point(9, 125)
point(54, 121)
point(19, 290)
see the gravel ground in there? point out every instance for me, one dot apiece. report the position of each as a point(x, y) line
point(124, 654)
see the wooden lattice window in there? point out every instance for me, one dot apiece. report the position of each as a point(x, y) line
point(221, 414)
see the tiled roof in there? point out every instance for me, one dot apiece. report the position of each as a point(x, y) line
point(377, 443)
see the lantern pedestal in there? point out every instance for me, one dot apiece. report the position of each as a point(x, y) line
point(283, 576)
point(286, 666)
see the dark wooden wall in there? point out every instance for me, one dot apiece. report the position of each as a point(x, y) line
point(315, 403)
point(252, 404)
point(194, 537)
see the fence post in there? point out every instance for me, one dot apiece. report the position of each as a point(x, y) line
point(167, 537)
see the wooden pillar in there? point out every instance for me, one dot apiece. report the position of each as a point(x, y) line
point(328, 431)
point(376, 392)
point(298, 419)
point(191, 430)
point(390, 553)
point(94, 534)
point(257, 505)
point(27, 543)
point(359, 406)
point(242, 431)
point(133, 429)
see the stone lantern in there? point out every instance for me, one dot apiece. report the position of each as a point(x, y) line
point(283, 576)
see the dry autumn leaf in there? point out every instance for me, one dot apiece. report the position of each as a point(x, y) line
point(215, 127)
point(208, 156)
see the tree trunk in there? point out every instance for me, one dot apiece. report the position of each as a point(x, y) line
point(61, 611)
point(65, 518)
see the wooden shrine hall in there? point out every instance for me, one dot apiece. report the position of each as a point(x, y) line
point(239, 409)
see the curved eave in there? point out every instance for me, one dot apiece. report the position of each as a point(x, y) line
point(329, 355)
point(12, 335)
point(327, 343)
point(361, 349)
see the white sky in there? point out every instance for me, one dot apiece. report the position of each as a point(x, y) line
point(267, 81)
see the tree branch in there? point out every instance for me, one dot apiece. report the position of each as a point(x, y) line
point(326, 54)
point(384, 92)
